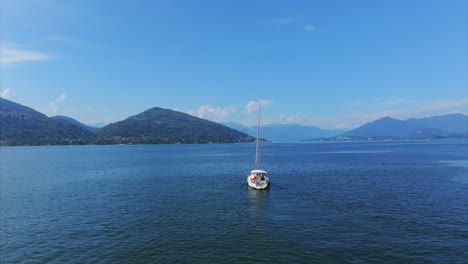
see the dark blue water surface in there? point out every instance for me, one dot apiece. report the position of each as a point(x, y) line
point(329, 202)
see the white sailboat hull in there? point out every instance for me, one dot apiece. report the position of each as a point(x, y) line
point(258, 181)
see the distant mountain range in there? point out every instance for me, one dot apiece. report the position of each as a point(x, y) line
point(453, 126)
point(21, 125)
point(97, 124)
point(287, 132)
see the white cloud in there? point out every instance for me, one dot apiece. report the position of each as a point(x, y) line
point(440, 108)
point(14, 55)
point(6, 93)
point(252, 106)
point(310, 28)
point(59, 100)
point(54, 104)
point(217, 114)
point(285, 119)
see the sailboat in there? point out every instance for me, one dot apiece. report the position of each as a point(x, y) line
point(257, 178)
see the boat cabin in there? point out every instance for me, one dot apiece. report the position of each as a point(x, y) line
point(259, 173)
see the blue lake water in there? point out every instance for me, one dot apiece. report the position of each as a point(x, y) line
point(329, 202)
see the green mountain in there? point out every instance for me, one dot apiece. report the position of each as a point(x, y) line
point(158, 125)
point(21, 125)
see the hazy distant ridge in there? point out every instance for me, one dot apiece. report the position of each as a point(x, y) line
point(287, 132)
point(437, 127)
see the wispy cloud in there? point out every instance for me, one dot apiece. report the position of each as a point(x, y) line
point(310, 28)
point(407, 108)
point(217, 114)
point(292, 20)
point(54, 104)
point(58, 100)
point(441, 107)
point(284, 119)
point(6, 93)
point(11, 55)
point(392, 108)
point(288, 119)
point(383, 102)
point(252, 106)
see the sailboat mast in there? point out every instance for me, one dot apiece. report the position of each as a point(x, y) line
point(257, 154)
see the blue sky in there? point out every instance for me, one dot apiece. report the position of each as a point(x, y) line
point(332, 64)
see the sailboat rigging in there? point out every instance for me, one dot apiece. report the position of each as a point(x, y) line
point(257, 178)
